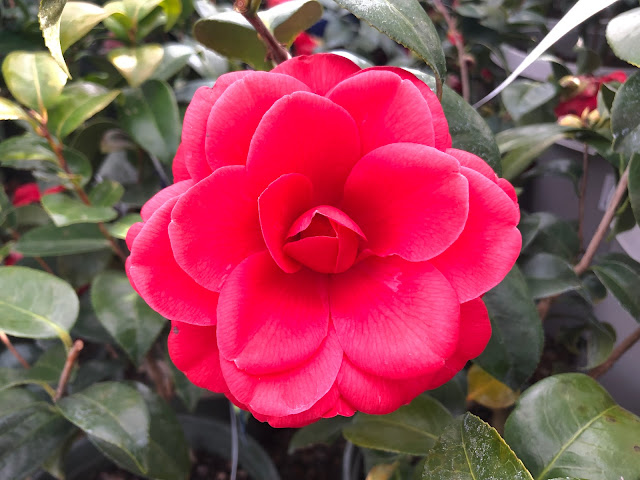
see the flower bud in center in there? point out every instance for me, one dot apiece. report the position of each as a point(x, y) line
point(324, 239)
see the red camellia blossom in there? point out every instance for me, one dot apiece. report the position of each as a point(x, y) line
point(30, 193)
point(323, 249)
point(587, 95)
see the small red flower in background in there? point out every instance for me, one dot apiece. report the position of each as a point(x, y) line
point(323, 249)
point(304, 44)
point(30, 193)
point(586, 96)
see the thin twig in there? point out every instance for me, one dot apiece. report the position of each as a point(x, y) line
point(72, 357)
point(620, 350)
point(459, 44)
point(582, 194)
point(601, 232)
point(277, 52)
point(12, 349)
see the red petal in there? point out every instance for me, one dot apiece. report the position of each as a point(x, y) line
point(132, 233)
point(270, 321)
point(214, 227)
point(195, 124)
point(394, 318)
point(160, 281)
point(473, 162)
point(440, 124)
point(409, 200)
point(307, 134)
point(194, 352)
point(385, 108)
point(160, 198)
point(279, 205)
point(289, 392)
point(488, 246)
point(321, 72)
point(318, 253)
point(179, 167)
point(237, 113)
point(26, 194)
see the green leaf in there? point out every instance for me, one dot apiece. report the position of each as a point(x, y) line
point(288, 19)
point(78, 18)
point(634, 186)
point(468, 129)
point(175, 58)
point(120, 228)
point(172, 9)
point(515, 346)
point(406, 22)
point(470, 449)
point(106, 194)
point(50, 240)
point(28, 434)
point(136, 64)
point(129, 16)
point(625, 117)
point(13, 397)
point(45, 372)
point(595, 340)
point(621, 275)
point(524, 96)
point(412, 429)
point(34, 79)
point(562, 167)
point(49, 15)
point(35, 304)
point(568, 425)
point(189, 393)
point(150, 115)
point(325, 431)
point(487, 391)
point(623, 35)
point(21, 151)
point(548, 275)
point(11, 111)
point(116, 419)
point(453, 394)
point(124, 314)
point(65, 210)
point(78, 103)
point(543, 232)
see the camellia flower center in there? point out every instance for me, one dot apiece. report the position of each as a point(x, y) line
point(324, 239)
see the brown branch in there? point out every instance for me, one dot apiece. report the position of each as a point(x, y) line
point(72, 357)
point(459, 44)
point(12, 349)
point(586, 259)
point(277, 52)
point(582, 195)
point(620, 350)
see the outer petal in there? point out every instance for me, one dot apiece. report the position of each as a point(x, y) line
point(385, 108)
point(394, 318)
point(160, 198)
point(194, 351)
point(179, 167)
point(490, 243)
point(279, 205)
point(474, 162)
point(289, 392)
point(408, 199)
point(321, 72)
point(270, 321)
point(307, 134)
point(132, 233)
point(160, 281)
point(440, 124)
point(214, 227)
point(195, 123)
point(237, 113)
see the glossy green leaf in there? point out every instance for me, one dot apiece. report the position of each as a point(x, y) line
point(288, 19)
point(23, 151)
point(634, 186)
point(7, 210)
point(548, 275)
point(568, 425)
point(453, 394)
point(487, 391)
point(625, 117)
point(136, 64)
point(50, 240)
point(123, 313)
point(49, 15)
point(593, 342)
point(621, 275)
point(12, 397)
point(78, 103)
point(542, 232)
point(524, 96)
point(412, 429)
point(623, 35)
point(150, 115)
point(11, 111)
point(470, 449)
point(106, 194)
point(120, 228)
point(186, 391)
point(36, 304)
point(515, 346)
point(78, 18)
point(325, 431)
point(562, 167)
point(128, 16)
point(406, 22)
point(28, 434)
point(468, 129)
point(33, 78)
point(65, 210)
point(45, 372)
point(175, 58)
point(172, 9)
point(116, 419)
